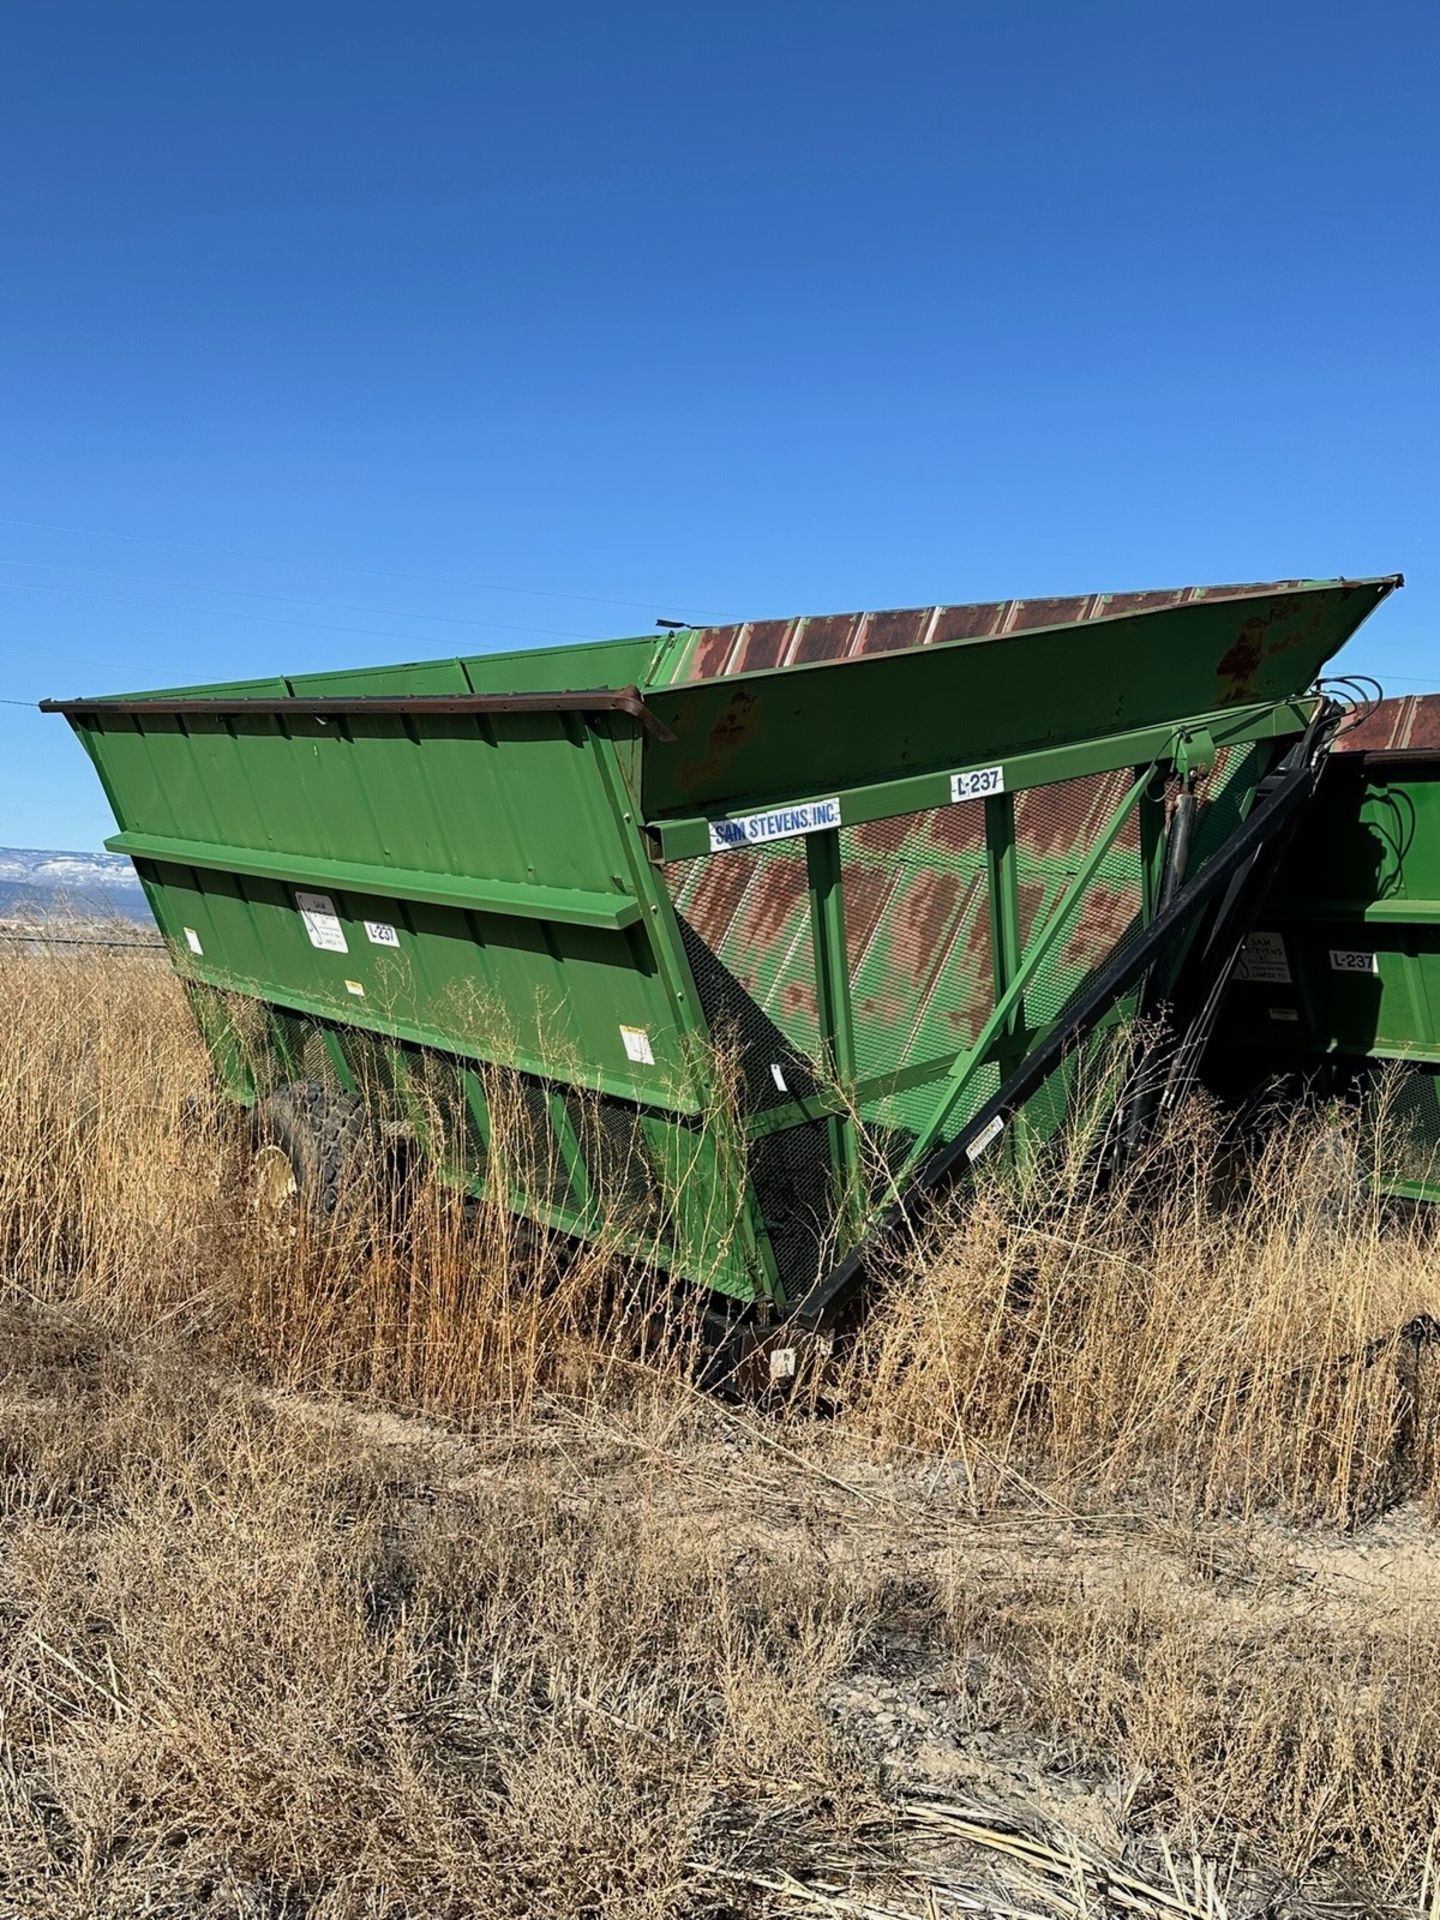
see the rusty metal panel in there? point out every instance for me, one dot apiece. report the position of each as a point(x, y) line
point(918, 933)
point(1410, 723)
point(780, 711)
point(745, 918)
point(754, 645)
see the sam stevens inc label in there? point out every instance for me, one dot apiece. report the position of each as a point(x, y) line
point(749, 829)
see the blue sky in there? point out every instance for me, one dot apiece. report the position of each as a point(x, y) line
point(333, 333)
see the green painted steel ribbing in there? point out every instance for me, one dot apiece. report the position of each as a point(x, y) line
point(570, 1150)
point(1002, 880)
point(1395, 913)
point(692, 1027)
point(832, 991)
point(687, 837)
point(669, 1096)
point(339, 1065)
point(968, 1063)
point(476, 1104)
point(527, 901)
point(658, 915)
point(1151, 814)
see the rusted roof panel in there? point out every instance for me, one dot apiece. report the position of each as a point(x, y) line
point(1409, 723)
point(751, 646)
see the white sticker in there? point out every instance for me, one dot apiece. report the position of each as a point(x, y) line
point(1264, 961)
point(354, 986)
point(192, 940)
point(986, 1137)
point(1284, 1013)
point(750, 829)
point(977, 783)
point(637, 1045)
point(1353, 960)
point(322, 923)
point(380, 933)
point(778, 1077)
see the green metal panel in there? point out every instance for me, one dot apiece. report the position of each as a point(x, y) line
point(1349, 958)
point(445, 843)
point(521, 873)
point(1345, 971)
point(760, 738)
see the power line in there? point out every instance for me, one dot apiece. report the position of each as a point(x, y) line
point(334, 566)
point(79, 940)
point(293, 599)
point(268, 619)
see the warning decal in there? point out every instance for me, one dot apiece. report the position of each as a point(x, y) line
point(1264, 961)
point(322, 923)
point(637, 1046)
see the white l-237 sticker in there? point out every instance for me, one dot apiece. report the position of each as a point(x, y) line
point(750, 829)
point(977, 783)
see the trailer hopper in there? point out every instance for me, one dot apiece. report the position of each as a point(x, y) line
point(874, 872)
point(1341, 981)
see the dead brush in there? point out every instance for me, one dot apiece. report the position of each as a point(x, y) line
point(1203, 1333)
point(1220, 1339)
point(269, 1665)
point(269, 1646)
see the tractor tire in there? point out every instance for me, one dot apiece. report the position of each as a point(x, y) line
point(314, 1150)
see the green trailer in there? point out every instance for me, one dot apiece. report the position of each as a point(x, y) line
point(770, 927)
point(1341, 983)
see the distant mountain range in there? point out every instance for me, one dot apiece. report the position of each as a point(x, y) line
point(34, 880)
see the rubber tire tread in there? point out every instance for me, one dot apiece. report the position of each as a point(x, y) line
point(327, 1136)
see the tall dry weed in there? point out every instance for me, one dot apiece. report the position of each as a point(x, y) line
point(1222, 1329)
point(124, 1190)
point(1216, 1332)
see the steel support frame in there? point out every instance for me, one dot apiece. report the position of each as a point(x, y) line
point(688, 837)
point(663, 931)
point(825, 884)
point(1002, 882)
point(1008, 1002)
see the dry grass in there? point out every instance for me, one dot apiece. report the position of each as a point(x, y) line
point(1115, 1552)
point(1215, 1342)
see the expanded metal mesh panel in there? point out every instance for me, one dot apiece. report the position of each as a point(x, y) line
point(622, 1173)
point(917, 934)
point(745, 919)
point(1055, 831)
point(377, 1065)
point(436, 1087)
point(300, 1049)
point(536, 1153)
point(791, 1175)
point(1411, 1148)
point(1230, 787)
point(737, 1021)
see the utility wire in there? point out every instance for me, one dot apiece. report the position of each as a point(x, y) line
point(333, 566)
point(79, 940)
point(293, 599)
point(266, 619)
